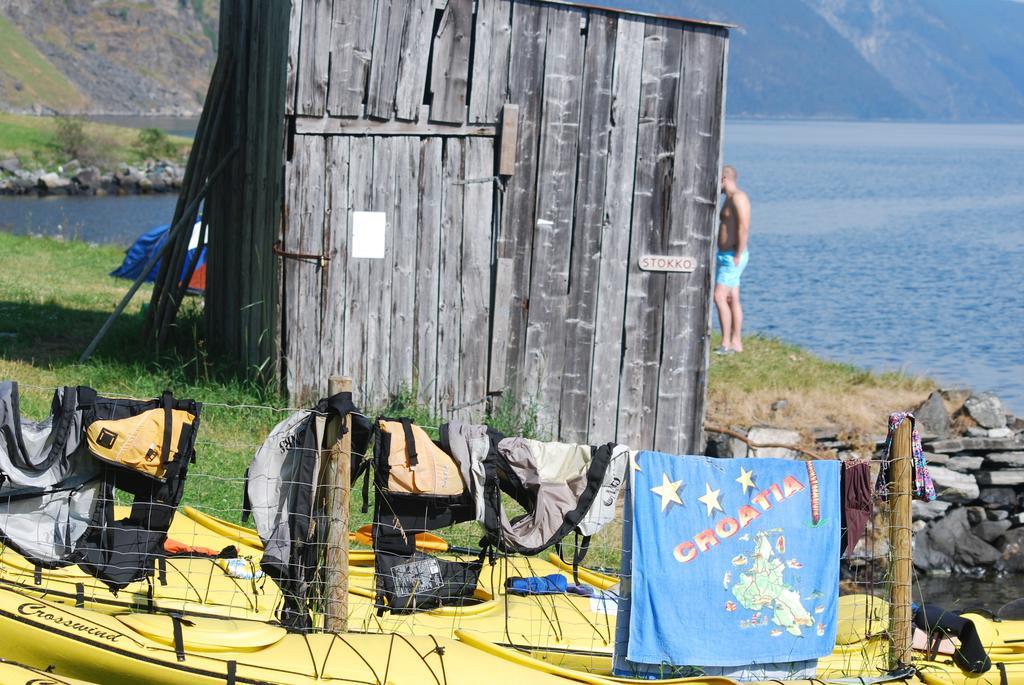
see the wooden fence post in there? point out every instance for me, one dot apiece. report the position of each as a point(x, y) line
point(338, 473)
point(901, 475)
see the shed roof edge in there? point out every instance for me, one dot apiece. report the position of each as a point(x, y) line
point(637, 13)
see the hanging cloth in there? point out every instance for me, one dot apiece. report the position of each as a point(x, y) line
point(924, 489)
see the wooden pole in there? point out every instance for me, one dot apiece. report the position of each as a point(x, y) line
point(901, 476)
point(338, 481)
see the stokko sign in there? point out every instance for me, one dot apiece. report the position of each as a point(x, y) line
point(671, 263)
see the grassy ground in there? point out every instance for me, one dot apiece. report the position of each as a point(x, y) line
point(30, 78)
point(55, 295)
point(34, 141)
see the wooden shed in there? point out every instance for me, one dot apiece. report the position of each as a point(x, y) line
point(472, 194)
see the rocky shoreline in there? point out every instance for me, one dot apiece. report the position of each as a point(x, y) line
point(159, 176)
point(975, 454)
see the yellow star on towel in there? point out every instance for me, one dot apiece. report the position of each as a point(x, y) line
point(668, 491)
point(710, 500)
point(746, 479)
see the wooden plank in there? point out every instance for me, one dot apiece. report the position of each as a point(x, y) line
point(314, 57)
point(499, 334)
point(364, 127)
point(592, 177)
point(509, 137)
point(449, 314)
point(686, 334)
point(645, 294)
point(477, 222)
point(493, 36)
point(302, 278)
point(413, 62)
point(615, 232)
point(449, 76)
point(378, 326)
point(405, 210)
point(556, 187)
point(351, 46)
point(427, 272)
point(387, 51)
point(357, 295)
point(526, 74)
point(336, 230)
point(294, 33)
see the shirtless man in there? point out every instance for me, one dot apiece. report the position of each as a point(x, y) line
point(733, 230)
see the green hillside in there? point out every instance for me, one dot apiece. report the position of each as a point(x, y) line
point(27, 78)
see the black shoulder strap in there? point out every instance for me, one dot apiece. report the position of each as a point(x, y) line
point(246, 502)
point(166, 401)
point(410, 442)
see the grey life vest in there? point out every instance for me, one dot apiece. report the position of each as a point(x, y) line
point(57, 497)
point(280, 495)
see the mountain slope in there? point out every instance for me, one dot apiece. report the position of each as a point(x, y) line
point(922, 59)
point(109, 56)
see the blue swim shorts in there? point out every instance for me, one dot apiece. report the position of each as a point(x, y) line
point(728, 272)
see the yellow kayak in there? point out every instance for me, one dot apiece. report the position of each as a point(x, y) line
point(142, 649)
point(12, 673)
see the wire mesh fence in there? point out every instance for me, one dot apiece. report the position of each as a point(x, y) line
point(212, 564)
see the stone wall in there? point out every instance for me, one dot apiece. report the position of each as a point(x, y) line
point(975, 454)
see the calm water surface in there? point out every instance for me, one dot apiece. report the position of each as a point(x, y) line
point(889, 245)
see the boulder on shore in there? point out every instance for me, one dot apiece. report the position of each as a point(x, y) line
point(986, 409)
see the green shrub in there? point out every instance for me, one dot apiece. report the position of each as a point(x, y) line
point(153, 143)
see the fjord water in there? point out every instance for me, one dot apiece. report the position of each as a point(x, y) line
point(889, 245)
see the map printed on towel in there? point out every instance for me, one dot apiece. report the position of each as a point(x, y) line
point(735, 561)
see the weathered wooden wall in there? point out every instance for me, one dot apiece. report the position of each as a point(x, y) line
point(524, 283)
point(243, 206)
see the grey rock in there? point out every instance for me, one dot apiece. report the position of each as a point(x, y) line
point(71, 167)
point(998, 514)
point(928, 511)
point(1016, 519)
point(1004, 432)
point(964, 464)
point(1011, 548)
point(990, 531)
point(779, 405)
point(976, 432)
point(53, 181)
point(973, 551)
point(10, 165)
point(780, 436)
point(718, 445)
point(932, 417)
point(954, 487)
point(998, 498)
point(948, 544)
point(935, 458)
point(1005, 458)
point(848, 455)
point(1004, 477)
point(976, 515)
point(88, 178)
point(825, 433)
point(986, 409)
point(954, 445)
point(145, 185)
point(917, 526)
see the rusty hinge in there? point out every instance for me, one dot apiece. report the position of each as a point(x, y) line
point(320, 259)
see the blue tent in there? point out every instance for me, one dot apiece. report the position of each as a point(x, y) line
point(145, 245)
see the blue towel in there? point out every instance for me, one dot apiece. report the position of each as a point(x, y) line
point(554, 584)
point(735, 561)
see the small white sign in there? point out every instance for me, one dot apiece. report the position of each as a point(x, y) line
point(369, 230)
point(662, 262)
